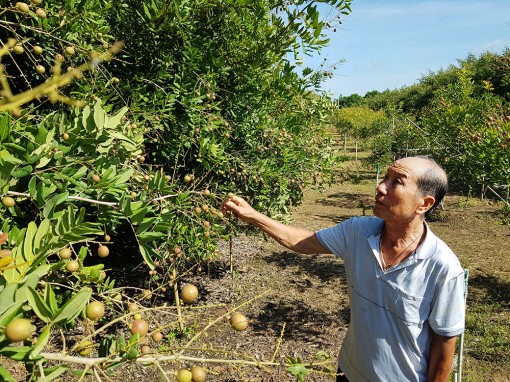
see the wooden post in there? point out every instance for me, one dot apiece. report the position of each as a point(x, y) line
point(345, 146)
point(356, 161)
point(377, 169)
point(483, 188)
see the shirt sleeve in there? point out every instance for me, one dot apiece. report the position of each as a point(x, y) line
point(335, 238)
point(447, 317)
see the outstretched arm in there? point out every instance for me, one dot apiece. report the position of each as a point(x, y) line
point(293, 238)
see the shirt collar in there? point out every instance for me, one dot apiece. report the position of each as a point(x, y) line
point(424, 251)
point(429, 246)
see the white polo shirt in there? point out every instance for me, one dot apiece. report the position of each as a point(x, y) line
point(393, 312)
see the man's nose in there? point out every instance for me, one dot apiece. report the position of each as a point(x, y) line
point(381, 188)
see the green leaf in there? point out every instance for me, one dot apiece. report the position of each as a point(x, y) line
point(28, 242)
point(85, 117)
point(11, 313)
point(5, 173)
point(99, 116)
point(298, 370)
point(322, 356)
point(92, 273)
point(147, 13)
point(148, 254)
point(50, 136)
point(137, 218)
point(122, 342)
point(30, 280)
point(81, 215)
point(36, 272)
point(5, 376)
point(124, 177)
point(49, 298)
point(80, 172)
point(80, 372)
point(38, 305)
point(7, 297)
point(41, 234)
point(43, 192)
point(6, 156)
point(115, 120)
point(44, 161)
point(150, 236)
point(132, 346)
point(49, 208)
point(62, 197)
point(14, 146)
point(132, 353)
point(5, 127)
point(51, 373)
point(73, 307)
point(41, 341)
point(21, 172)
point(20, 353)
point(42, 132)
point(32, 187)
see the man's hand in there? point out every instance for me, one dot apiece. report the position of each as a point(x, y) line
point(240, 208)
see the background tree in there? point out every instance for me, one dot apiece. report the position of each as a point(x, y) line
point(360, 123)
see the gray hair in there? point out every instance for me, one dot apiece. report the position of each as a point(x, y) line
point(433, 181)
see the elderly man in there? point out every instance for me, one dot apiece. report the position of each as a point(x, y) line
point(405, 285)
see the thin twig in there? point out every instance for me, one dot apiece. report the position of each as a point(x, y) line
point(278, 343)
point(97, 375)
point(54, 83)
point(93, 201)
point(104, 375)
point(196, 336)
point(41, 371)
point(87, 367)
point(90, 362)
point(162, 371)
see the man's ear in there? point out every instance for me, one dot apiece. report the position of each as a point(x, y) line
point(427, 203)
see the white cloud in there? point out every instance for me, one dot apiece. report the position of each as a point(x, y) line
point(495, 45)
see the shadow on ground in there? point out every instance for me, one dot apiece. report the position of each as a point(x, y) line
point(324, 267)
point(496, 290)
point(302, 321)
point(348, 200)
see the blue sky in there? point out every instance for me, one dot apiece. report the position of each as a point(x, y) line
point(388, 44)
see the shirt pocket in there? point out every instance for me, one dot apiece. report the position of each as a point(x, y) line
point(411, 310)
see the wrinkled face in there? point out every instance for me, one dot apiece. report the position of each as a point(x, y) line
point(398, 197)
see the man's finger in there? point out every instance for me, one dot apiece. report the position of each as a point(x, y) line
point(236, 199)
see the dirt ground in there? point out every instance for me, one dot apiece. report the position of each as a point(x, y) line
point(307, 293)
point(297, 305)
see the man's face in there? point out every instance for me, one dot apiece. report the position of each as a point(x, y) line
point(398, 196)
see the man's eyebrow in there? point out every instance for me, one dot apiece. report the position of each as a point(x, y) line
point(398, 173)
